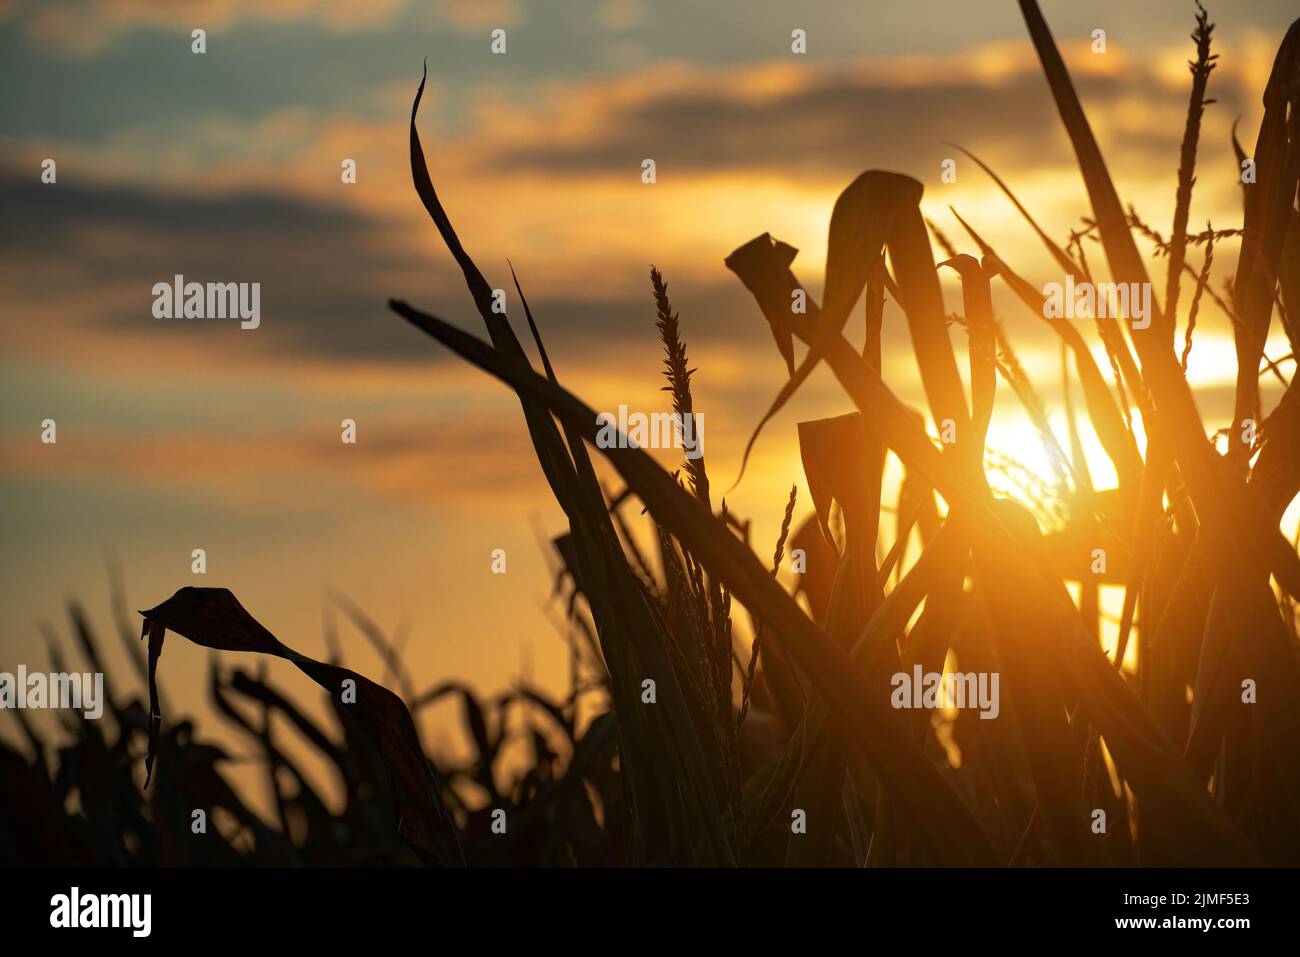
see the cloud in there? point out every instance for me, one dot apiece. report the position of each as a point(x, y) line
point(553, 184)
point(618, 15)
point(86, 256)
point(88, 27)
point(478, 15)
point(835, 121)
point(441, 462)
point(83, 28)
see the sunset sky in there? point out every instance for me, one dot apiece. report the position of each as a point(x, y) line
point(225, 166)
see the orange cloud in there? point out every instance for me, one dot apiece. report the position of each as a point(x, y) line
point(441, 463)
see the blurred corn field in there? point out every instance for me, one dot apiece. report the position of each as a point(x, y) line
point(737, 739)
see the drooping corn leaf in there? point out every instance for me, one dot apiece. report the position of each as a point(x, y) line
point(214, 618)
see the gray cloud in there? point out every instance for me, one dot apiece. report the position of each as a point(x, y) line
point(322, 268)
point(326, 274)
point(844, 124)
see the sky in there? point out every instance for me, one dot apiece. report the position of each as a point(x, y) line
point(226, 165)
